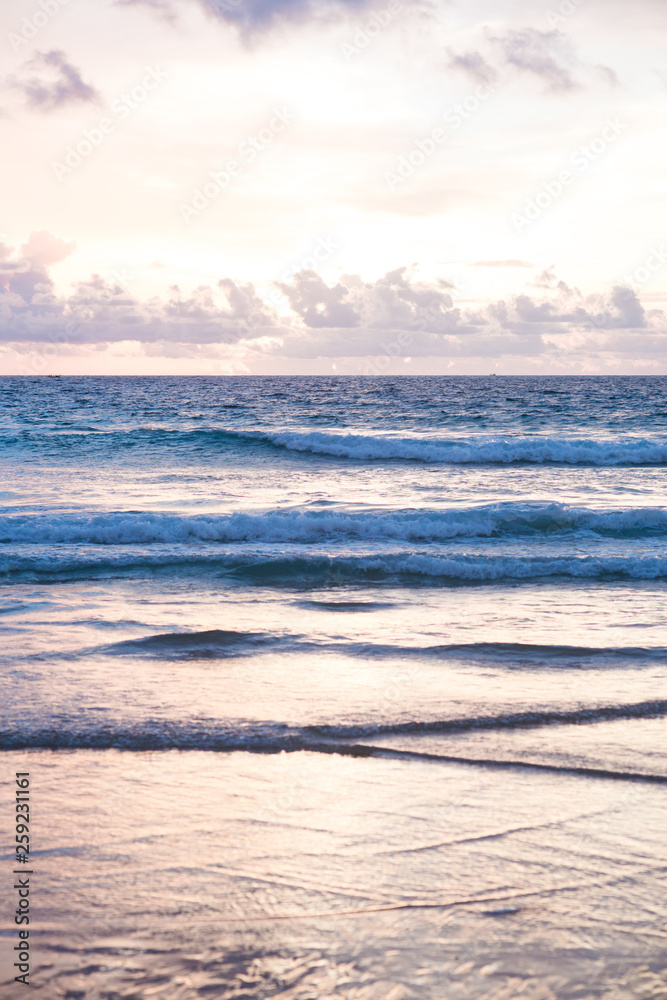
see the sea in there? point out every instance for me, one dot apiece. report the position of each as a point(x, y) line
point(336, 686)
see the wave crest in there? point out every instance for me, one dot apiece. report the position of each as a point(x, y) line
point(470, 450)
point(321, 526)
point(298, 568)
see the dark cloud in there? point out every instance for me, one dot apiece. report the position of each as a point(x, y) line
point(49, 81)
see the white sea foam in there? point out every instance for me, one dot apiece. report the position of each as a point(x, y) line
point(321, 526)
point(470, 450)
point(476, 449)
point(291, 564)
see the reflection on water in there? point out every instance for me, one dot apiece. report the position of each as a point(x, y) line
point(403, 570)
point(195, 875)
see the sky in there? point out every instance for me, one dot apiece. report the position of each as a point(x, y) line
point(339, 187)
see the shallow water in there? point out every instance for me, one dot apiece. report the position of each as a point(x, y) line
point(463, 579)
point(192, 874)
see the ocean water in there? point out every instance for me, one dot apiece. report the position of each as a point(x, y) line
point(338, 686)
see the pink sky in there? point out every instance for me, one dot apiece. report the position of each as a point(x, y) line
point(228, 186)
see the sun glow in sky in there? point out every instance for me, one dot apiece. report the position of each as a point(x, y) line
point(273, 186)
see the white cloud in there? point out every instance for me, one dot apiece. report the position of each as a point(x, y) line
point(43, 249)
point(395, 316)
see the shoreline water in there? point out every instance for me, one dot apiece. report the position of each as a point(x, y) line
point(426, 878)
point(337, 688)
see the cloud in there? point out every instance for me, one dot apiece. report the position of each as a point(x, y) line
point(27, 284)
point(547, 278)
point(395, 302)
point(49, 81)
point(609, 75)
point(475, 65)
point(549, 56)
point(400, 319)
point(253, 15)
point(620, 309)
point(26, 275)
point(394, 316)
point(317, 304)
point(542, 53)
point(99, 311)
point(43, 249)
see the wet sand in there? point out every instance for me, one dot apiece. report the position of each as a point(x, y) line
point(185, 875)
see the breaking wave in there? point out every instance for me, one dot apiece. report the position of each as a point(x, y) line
point(366, 447)
point(298, 567)
point(470, 450)
point(312, 526)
